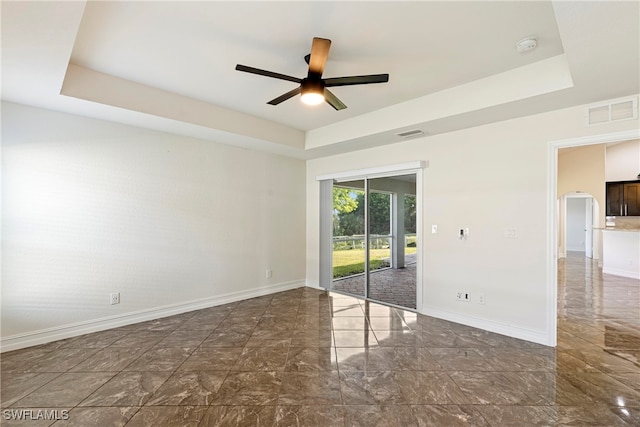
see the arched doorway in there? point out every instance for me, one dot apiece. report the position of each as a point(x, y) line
point(579, 218)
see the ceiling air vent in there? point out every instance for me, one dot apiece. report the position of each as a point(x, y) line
point(612, 111)
point(410, 133)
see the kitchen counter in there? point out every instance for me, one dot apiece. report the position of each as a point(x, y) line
point(621, 251)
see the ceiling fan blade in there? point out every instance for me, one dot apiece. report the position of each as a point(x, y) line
point(285, 96)
point(356, 80)
point(266, 73)
point(333, 100)
point(319, 53)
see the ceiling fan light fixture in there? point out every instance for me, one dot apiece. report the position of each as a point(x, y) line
point(312, 98)
point(312, 93)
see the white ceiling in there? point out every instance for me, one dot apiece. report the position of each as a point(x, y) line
point(192, 49)
point(170, 65)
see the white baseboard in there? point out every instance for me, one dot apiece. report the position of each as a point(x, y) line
point(620, 272)
point(490, 325)
point(314, 285)
point(43, 336)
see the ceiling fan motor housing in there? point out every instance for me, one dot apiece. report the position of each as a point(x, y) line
point(312, 85)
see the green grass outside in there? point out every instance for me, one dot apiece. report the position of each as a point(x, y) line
point(348, 262)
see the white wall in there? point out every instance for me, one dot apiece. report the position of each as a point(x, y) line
point(91, 207)
point(623, 161)
point(486, 178)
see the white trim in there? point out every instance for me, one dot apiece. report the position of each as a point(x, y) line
point(43, 336)
point(552, 243)
point(313, 285)
point(552, 215)
point(420, 238)
point(575, 195)
point(325, 229)
point(620, 272)
point(596, 139)
point(373, 172)
point(509, 330)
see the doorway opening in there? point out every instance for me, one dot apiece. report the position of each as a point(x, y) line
point(578, 222)
point(555, 207)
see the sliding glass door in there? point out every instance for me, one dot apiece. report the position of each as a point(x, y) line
point(374, 238)
point(381, 242)
point(349, 237)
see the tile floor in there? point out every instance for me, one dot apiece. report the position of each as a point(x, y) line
point(309, 358)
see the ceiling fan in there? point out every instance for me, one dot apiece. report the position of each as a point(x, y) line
point(313, 88)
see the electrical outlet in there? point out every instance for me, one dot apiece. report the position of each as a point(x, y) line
point(268, 273)
point(463, 296)
point(480, 298)
point(115, 298)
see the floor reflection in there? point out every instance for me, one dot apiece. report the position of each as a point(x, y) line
point(308, 357)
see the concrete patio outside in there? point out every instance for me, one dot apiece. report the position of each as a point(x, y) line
point(393, 286)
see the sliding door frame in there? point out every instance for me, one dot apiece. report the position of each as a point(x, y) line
point(326, 231)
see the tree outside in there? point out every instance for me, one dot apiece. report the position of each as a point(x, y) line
point(348, 221)
point(349, 212)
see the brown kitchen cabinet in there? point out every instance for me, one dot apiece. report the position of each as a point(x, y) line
point(623, 198)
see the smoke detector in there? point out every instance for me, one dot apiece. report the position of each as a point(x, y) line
point(526, 44)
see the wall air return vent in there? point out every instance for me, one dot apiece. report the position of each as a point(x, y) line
point(410, 133)
point(612, 111)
